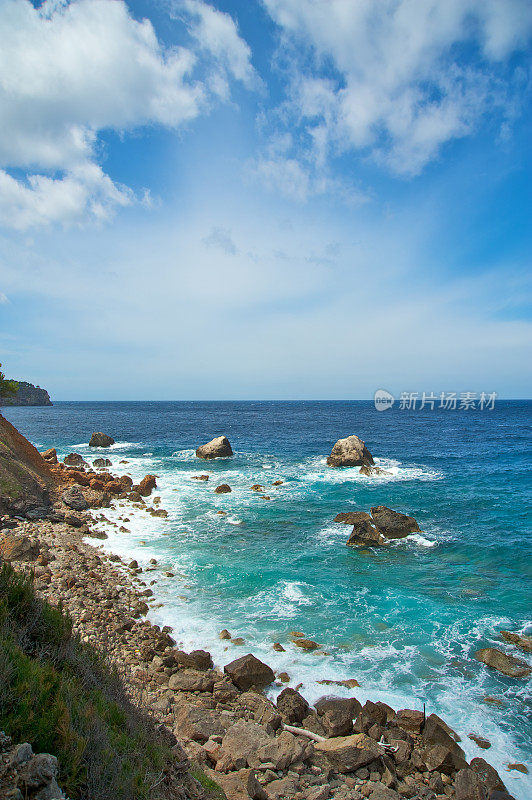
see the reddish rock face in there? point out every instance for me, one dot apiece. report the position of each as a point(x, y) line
point(50, 455)
point(147, 485)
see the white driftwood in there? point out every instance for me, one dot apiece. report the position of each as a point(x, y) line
point(303, 732)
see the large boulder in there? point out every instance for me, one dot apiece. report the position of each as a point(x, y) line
point(147, 485)
point(243, 739)
point(197, 724)
point(74, 460)
point(216, 448)
point(349, 753)
point(364, 532)
point(18, 548)
point(508, 665)
point(247, 671)
point(349, 452)
point(99, 439)
point(393, 524)
point(522, 642)
point(469, 786)
point(73, 498)
point(292, 706)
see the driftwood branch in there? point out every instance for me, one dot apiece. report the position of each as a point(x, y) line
point(303, 732)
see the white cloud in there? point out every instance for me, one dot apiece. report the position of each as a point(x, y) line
point(397, 78)
point(221, 239)
point(70, 70)
point(216, 33)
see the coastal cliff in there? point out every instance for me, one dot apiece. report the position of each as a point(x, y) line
point(27, 395)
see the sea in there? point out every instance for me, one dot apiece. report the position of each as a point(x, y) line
point(403, 620)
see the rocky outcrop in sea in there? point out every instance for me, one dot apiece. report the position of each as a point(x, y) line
point(27, 395)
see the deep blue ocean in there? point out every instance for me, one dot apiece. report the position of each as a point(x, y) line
point(403, 620)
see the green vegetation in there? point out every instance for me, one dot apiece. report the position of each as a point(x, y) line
point(59, 695)
point(7, 388)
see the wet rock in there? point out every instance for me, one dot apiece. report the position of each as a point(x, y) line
point(351, 517)
point(200, 478)
point(224, 488)
point(147, 485)
point(292, 706)
point(247, 671)
point(257, 488)
point(349, 452)
point(364, 533)
point(73, 498)
point(74, 460)
point(480, 740)
point(306, 644)
point(100, 463)
point(508, 665)
point(278, 647)
point(370, 471)
point(488, 775)
point(349, 753)
point(216, 448)
point(522, 642)
point(99, 439)
point(224, 634)
point(518, 767)
point(393, 524)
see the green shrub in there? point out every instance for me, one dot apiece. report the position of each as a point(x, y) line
point(60, 695)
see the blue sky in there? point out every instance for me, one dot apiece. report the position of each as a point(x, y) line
point(265, 199)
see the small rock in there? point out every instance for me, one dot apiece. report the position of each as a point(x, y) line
point(508, 665)
point(224, 488)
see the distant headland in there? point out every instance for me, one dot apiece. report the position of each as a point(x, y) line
point(27, 395)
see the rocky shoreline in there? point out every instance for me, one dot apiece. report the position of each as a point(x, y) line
point(251, 747)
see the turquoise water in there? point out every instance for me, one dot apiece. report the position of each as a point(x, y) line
point(405, 620)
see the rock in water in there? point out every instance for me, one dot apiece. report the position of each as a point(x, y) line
point(392, 524)
point(224, 488)
point(74, 460)
point(99, 439)
point(508, 665)
point(101, 462)
point(350, 452)
point(522, 642)
point(364, 532)
point(368, 470)
point(248, 671)
point(216, 448)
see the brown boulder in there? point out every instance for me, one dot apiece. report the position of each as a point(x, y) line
point(198, 724)
point(50, 455)
point(349, 753)
point(364, 533)
point(224, 488)
point(80, 477)
point(468, 786)
point(522, 642)
point(292, 705)
point(216, 448)
point(410, 720)
point(248, 671)
point(99, 439)
point(488, 775)
point(508, 665)
point(146, 485)
point(349, 452)
point(18, 548)
point(393, 524)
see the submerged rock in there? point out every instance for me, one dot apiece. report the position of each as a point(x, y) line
point(368, 470)
point(522, 642)
point(216, 448)
point(349, 452)
point(393, 524)
point(99, 439)
point(508, 665)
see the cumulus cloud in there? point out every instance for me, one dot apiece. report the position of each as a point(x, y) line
point(70, 70)
point(399, 78)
